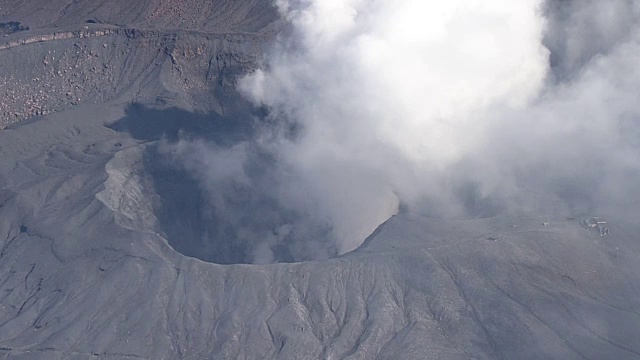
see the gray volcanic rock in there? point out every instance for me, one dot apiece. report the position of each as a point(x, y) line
point(171, 51)
point(92, 254)
point(43, 72)
point(255, 16)
point(87, 272)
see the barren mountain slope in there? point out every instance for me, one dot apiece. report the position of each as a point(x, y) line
point(88, 273)
point(211, 16)
point(95, 222)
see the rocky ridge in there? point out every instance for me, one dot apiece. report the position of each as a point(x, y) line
point(50, 72)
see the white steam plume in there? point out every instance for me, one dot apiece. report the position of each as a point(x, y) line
point(453, 108)
point(392, 93)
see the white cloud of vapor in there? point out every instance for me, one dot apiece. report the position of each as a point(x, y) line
point(412, 101)
point(455, 108)
point(391, 93)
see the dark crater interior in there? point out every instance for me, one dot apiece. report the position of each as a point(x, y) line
point(230, 221)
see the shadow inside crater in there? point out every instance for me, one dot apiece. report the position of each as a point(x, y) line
point(235, 221)
point(151, 124)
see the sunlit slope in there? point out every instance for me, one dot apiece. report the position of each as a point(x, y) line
point(100, 234)
point(210, 16)
point(58, 70)
point(85, 274)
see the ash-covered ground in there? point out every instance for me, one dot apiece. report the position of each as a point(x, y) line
point(115, 245)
